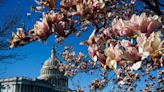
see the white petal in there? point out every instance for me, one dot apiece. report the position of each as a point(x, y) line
point(94, 58)
point(121, 82)
point(136, 66)
point(113, 64)
point(144, 55)
point(140, 50)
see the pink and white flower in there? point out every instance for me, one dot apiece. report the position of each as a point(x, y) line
point(144, 24)
point(149, 45)
point(137, 24)
point(121, 27)
point(42, 29)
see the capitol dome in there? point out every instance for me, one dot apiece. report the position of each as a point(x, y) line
point(50, 72)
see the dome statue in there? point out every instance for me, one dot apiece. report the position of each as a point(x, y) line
point(50, 72)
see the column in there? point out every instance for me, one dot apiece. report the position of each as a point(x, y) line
point(27, 88)
point(38, 89)
point(20, 88)
point(12, 88)
point(17, 88)
point(34, 90)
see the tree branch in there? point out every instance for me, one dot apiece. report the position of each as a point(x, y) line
point(2, 2)
point(152, 7)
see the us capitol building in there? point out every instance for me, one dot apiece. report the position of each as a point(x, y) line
point(49, 80)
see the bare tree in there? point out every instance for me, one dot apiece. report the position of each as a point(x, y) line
point(154, 5)
point(7, 26)
point(2, 2)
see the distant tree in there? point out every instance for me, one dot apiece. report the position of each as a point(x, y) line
point(8, 24)
point(5, 29)
point(2, 2)
point(127, 39)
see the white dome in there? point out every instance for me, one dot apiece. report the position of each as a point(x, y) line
point(50, 72)
point(50, 67)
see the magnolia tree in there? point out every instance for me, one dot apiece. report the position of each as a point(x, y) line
point(127, 38)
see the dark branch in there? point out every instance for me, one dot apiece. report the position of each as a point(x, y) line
point(152, 7)
point(161, 4)
point(2, 2)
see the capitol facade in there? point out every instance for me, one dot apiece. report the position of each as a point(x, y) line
point(49, 80)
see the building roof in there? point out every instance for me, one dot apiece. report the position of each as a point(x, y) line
point(50, 68)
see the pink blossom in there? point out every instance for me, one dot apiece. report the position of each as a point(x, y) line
point(131, 53)
point(98, 4)
point(92, 50)
point(151, 43)
point(20, 33)
point(52, 17)
point(59, 28)
point(105, 32)
point(150, 46)
point(68, 3)
point(145, 24)
point(42, 29)
point(80, 8)
point(118, 52)
point(138, 24)
point(101, 58)
point(91, 39)
point(47, 3)
point(126, 43)
point(111, 63)
point(121, 27)
point(109, 52)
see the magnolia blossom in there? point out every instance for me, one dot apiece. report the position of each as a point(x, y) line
point(92, 50)
point(68, 3)
point(106, 32)
point(39, 8)
point(80, 8)
point(52, 17)
point(85, 6)
point(109, 52)
point(130, 53)
point(51, 22)
point(47, 3)
point(98, 4)
point(144, 24)
point(137, 24)
point(16, 38)
point(150, 45)
point(136, 65)
point(59, 28)
point(121, 27)
point(114, 55)
point(20, 33)
point(111, 63)
point(42, 29)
